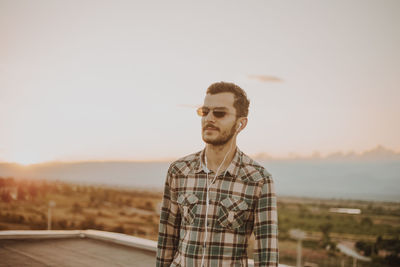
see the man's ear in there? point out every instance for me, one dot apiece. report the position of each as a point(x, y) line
point(242, 123)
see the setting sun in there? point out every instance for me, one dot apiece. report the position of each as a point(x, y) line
point(27, 159)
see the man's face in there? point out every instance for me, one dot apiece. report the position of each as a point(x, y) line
point(218, 131)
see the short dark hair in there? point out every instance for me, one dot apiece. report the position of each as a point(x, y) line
point(241, 102)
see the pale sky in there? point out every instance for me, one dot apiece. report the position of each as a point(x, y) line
point(119, 80)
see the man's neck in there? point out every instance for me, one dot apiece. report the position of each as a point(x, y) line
point(216, 154)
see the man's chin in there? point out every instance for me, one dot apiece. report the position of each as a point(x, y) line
point(209, 136)
point(208, 140)
point(215, 142)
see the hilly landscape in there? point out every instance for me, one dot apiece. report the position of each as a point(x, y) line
point(373, 175)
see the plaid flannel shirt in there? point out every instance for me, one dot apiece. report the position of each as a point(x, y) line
point(241, 200)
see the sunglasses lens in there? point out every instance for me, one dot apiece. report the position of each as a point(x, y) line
point(202, 112)
point(219, 114)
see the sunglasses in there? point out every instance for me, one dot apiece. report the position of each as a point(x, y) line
point(203, 111)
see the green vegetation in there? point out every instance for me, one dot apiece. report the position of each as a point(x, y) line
point(24, 205)
point(312, 216)
point(375, 232)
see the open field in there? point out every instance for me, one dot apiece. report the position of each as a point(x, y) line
point(24, 205)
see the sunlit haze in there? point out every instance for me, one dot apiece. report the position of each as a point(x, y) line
point(120, 80)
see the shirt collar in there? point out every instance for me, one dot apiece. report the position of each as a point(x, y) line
point(233, 167)
point(198, 163)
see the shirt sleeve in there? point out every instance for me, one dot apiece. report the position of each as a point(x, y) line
point(266, 227)
point(170, 220)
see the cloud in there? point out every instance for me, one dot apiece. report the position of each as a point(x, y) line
point(265, 78)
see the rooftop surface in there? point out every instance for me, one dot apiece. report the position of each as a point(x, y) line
point(71, 252)
point(74, 248)
point(77, 248)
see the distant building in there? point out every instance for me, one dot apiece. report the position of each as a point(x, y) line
point(345, 210)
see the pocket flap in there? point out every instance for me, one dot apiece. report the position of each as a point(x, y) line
point(180, 199)
point(187, 199)
point(192, 199)
point(243, 205)
point(234, 204)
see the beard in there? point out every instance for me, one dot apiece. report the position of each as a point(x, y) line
point(222, 139)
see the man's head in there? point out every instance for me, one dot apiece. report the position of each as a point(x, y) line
point(224, 113)
point(241, 103)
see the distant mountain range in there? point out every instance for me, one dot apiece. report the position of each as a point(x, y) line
point(373, 175)
point(377, 153)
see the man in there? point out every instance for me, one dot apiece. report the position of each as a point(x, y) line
point(214, 199)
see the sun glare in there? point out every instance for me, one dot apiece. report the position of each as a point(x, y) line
point(27, 159)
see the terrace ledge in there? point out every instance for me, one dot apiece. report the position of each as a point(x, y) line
point(116, 238)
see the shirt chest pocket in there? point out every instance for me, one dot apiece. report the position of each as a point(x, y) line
point(233, 212)
point(188, 207)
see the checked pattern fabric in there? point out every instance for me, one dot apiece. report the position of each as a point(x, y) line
point(242, 200)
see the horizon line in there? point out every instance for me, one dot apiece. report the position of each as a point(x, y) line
point(260, 156)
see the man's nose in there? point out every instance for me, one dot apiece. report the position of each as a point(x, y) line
point(209, 117)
